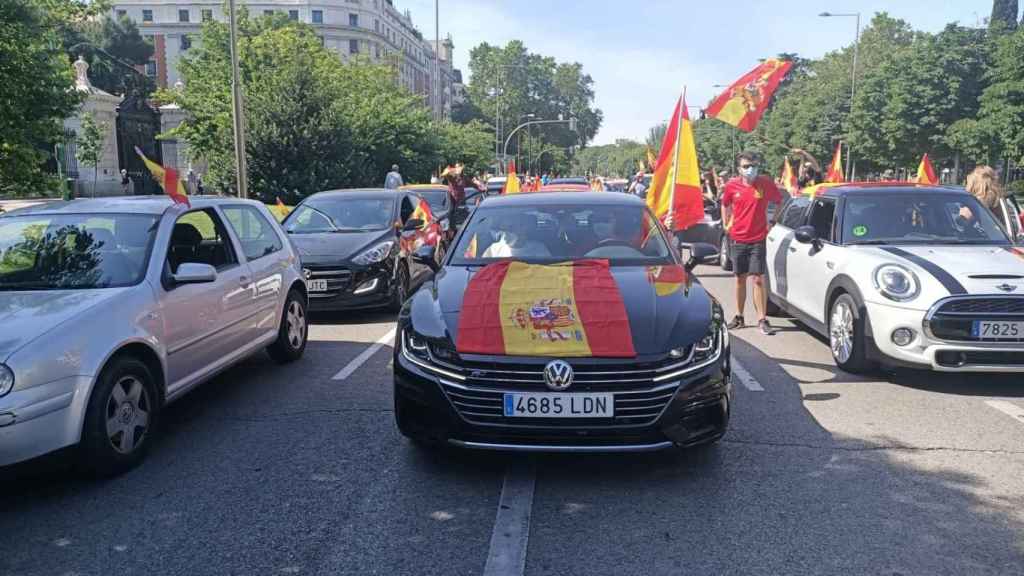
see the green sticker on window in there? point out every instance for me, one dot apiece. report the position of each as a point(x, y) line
point(860, 230)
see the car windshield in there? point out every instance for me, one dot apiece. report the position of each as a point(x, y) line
point(74, 251)
point(436, 197)
point(340, 214)
point(624, 235)
point(919, 218)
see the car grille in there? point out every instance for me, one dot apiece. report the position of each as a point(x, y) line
point(338, 279)
point(953, 318)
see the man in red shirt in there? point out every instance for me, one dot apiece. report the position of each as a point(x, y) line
point(745, 211)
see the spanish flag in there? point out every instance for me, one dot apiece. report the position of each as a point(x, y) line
point(675, 195)
point(835, 168)
point(667, 280)
point(512, 182)
point(651, 160)
point(789, 178)
point(167, 178)
point(570, 310)
point(743, 104)
point(926, 172)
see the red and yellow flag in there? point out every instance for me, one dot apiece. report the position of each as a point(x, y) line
point(471, 249)
point(512, 182)
point(926, 172)
point(743, 103)
point(675, 195)
point(835, 168)
point(651, 160)
point(789, 180)
point(167, 178)
point(667, 280)
point(569, 310)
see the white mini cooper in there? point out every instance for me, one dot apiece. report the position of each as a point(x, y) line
point(902, 275)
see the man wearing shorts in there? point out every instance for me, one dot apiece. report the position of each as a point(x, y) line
point(745, 211)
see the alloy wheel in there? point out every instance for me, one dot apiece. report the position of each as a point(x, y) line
point(296, 319)
point(128, 409)
point(841, 331)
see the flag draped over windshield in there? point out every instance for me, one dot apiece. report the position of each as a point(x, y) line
point(926, 172)
point(675, 194)
point(568, 310)
point(167, 178)
point(744, 102)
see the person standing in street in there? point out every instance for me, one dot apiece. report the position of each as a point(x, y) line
point(745, 202)
point(638, 188)
point(393, 181)
point(125, 182)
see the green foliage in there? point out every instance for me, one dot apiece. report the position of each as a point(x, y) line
point(618, 160)
point(90, 144)
point(472, 144)
point(100, 42)
point(36, 91)
point(1004, 15)
point(1016, 188)
point(1000, 120)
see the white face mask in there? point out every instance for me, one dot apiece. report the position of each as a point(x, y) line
point(750, 172)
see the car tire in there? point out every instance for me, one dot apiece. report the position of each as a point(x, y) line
point(846, 335)
point(723, 254)
point(121, 418)
point(293, 333)
point(401, 288)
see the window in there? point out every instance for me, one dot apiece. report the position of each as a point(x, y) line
point(823, 213)
point(121, 14)
point(207, 15)
point(318, 16)
point(186, 42)
point(293, 14)
point(182, 15)
point(353, 46)
point(151, 69)
point(199, 237)
point(268, 12)
point(376, 26)
point(147, 15)
point(353, 20)
point(256, 234)
point(793, 214)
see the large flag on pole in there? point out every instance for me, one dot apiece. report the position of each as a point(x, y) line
point(675, 195)
point(789, 180)
point(835, 168)
point(167, 178)
point(743, 104)
point(926, 172)
point(512, 182)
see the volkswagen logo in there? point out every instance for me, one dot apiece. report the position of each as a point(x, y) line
point(558, 375)
point(1006, 287)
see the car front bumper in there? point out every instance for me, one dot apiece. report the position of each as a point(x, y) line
point(41, 419)
point(927, 352)
point(697, 413)
point(347, 298)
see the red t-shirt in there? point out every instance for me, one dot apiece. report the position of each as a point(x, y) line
point(749, 205)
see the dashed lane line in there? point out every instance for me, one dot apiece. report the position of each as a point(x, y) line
point(364, 356)
point(748, 381)
point(507, 553)
point(1008, 408)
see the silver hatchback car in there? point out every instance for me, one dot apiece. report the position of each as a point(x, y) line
point(112, 308)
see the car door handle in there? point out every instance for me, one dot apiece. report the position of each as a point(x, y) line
point(831, 265)
point(771, 239)
point(792, 249)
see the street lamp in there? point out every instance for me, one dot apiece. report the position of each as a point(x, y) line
point(571, 122)
point(237, 110)
point(853, 77)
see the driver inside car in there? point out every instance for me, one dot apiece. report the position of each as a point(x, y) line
point(512, 239)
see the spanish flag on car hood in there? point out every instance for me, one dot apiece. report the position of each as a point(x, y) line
point(568, 310)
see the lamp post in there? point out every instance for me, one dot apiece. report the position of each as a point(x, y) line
point(853, 78)
point(571, 122)
point(237, 109)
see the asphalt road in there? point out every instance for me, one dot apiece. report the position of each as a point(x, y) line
point(271, 470)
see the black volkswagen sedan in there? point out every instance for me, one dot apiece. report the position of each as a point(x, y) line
point(669, 387)
point(356, 245)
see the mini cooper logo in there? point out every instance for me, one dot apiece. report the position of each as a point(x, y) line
point(558, 375)
point(1006, 287)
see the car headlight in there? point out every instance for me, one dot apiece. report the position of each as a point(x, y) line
point(375, 254)
point(896, 282)
point(6, 379)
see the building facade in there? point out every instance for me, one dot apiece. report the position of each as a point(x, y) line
point(374, 29)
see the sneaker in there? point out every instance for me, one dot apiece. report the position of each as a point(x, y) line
point(766, 328)
point(737, 323)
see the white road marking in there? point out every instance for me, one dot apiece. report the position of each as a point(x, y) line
point(507, 554)
point(1008, 408)
point(364, 356)
point(745, 378)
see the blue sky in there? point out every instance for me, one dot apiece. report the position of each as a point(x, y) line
point(642, 53)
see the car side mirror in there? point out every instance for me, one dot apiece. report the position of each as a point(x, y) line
point(700, 253)
point(412, 224)
point(805, 235)
point(427, 256)
point(194, 273)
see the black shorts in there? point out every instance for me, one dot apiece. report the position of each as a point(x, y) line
point(748, 258)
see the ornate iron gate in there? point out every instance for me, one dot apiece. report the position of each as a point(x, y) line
point(138, 124)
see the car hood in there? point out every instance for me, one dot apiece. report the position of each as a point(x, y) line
point(658, 323)
point(335, 246)
point(25, 316)
point(978, 269)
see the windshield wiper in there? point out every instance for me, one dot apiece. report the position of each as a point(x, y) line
point(869, 242)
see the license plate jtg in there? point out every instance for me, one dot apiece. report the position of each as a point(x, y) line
point(557, 405)
point(997, 330)
point(317, 285)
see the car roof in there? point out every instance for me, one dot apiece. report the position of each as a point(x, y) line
point(856, 188)
point(565, 188)
point(381, 193)
point(415, 187)
point(153, 205)
point(555, 198)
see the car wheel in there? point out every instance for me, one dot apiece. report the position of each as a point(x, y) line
point(723, 254)
point(294, 330)
point(401, 289)
point(846, 335)
point(121, 418)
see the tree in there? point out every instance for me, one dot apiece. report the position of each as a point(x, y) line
point(618, 160)
point(36, 92)
point(470, 144)
point(111, 46)
point(999, 129)
point(1004, 15)
point(91, 143)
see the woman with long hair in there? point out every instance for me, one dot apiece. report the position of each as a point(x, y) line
point(983, 183)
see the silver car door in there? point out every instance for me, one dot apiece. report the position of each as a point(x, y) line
point(263, 248)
